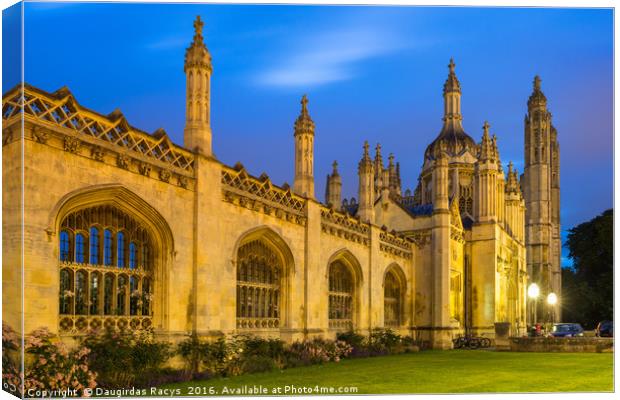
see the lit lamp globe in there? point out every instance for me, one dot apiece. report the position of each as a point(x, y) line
point(533, 291)
point(552, 299)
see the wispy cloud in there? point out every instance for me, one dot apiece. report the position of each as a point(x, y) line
point(329, 57)
point(168, 43)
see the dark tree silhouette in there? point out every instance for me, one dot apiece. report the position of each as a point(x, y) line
point(587, 287)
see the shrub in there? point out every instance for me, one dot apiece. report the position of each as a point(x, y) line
point(256, 363)
point(211, 358)
point(52, 366)
point(10, 360)
point(384, 341)
point(316, 351)
point(120, 358)
point(353, 339)
point(379, 342)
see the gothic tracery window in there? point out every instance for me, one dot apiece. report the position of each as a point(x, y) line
point(106, 270)
point(340, 296)
point(466, 203)
point(391, 300)
point(259, 271)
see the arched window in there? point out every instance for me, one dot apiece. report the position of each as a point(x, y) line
point(94, 245)
point(115, 289)
point(259, 271)
point(392, 293)
point(340, 296)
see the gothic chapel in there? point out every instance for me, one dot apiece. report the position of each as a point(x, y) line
point(123, 228)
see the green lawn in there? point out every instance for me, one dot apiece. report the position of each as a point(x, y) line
point(456, 371)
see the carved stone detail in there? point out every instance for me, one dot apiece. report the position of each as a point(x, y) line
point(72, 145)
point(144, 168)
point(97, 153)
point(7, 136)
point(183, 182)
point(40, 135)
point(122, 161)
point(164, 175)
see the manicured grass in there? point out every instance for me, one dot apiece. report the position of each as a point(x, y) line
point(455, 371)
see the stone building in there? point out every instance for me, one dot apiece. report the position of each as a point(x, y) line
point(123, 228)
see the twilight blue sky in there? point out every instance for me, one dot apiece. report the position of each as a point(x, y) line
point(372, 73)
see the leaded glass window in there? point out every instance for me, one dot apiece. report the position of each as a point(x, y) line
point(64, 246)
point(391, 300)
point(107, 247)
point(133, 255)
point(94, 245)
point(80, 248)
point(105, 270)
point(120, 249)
point(81, 292)
point(259, 271)
point(340, 296)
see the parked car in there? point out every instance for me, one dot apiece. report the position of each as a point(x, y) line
point(566, 330)
point(605, 329)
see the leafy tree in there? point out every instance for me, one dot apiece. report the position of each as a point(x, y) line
point(587, 287)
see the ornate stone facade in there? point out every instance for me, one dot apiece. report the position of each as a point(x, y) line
point(125, 228)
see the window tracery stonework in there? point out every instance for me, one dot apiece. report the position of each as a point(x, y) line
point(259, 274)
point(344, 226)
point(106, 271)
point(261, 195)
point(341, 291)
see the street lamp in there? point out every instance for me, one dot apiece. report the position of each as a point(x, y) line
point(552, 299)
point(533, 291)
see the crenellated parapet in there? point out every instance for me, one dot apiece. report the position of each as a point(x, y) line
point(58, 120)
point(260, 195)
point(395, 244)
point(344, 226)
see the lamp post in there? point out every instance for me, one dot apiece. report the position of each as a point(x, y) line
point(552, 299)
point(533, 291)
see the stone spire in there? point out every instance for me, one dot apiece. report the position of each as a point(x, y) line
point(304, 152)
point(486, 145)
point(198, 69)
point(366, 187)
point(537, 98)
point(494, 146)
point(512, 182)
point(452, 134)
point(394, 176)
point(452, 101)
point(452, 83)
point(334, 188)
point(304, 124)
point(378, 159)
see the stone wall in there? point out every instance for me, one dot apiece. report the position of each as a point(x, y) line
point(562, 345)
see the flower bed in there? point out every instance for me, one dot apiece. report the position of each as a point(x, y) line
point(115, 359)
